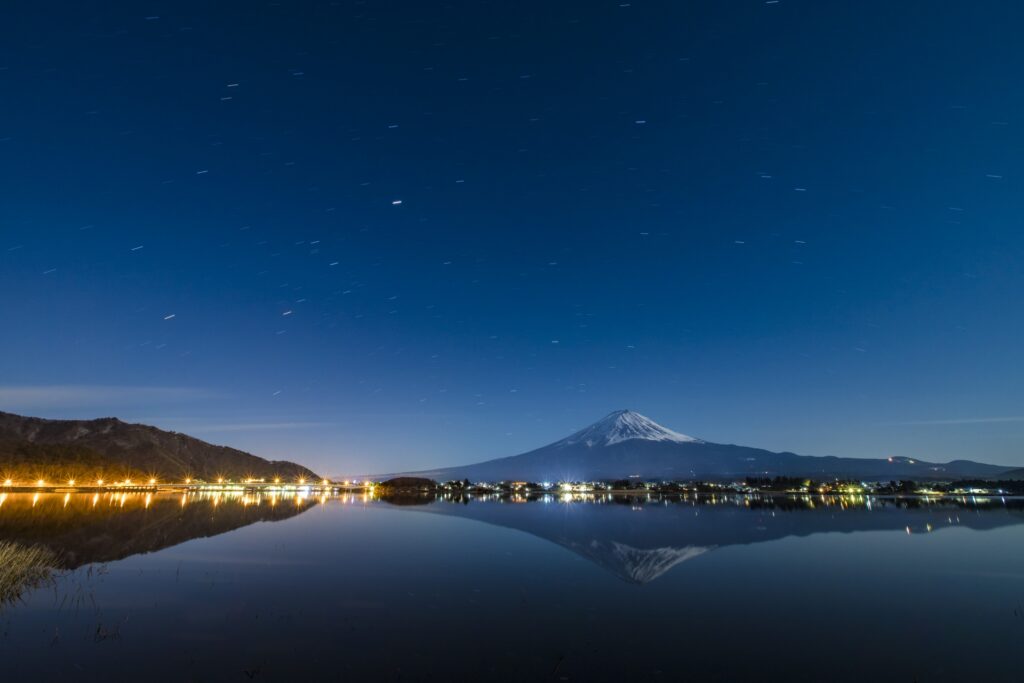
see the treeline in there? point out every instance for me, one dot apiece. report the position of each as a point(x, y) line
point(59, 462)
point(893, 487)
point(779, 483)
point(1013, 486)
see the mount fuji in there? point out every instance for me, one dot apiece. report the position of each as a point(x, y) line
point(627, 444)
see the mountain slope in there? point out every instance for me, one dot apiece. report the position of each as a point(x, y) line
point(32, 447)
point(627, 444)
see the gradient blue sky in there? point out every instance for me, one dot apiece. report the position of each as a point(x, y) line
point(793, 225)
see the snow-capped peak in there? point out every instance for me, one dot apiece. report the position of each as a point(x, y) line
point(623, 425)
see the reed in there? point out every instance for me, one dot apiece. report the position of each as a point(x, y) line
point(23, 568)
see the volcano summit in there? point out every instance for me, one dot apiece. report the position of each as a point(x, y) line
point(627, 444)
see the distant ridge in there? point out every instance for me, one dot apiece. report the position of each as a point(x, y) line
point(33, 447)
point(627, 444)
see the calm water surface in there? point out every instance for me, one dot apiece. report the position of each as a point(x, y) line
point(247, 588)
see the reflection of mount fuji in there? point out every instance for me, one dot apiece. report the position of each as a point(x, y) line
point(635, 564)
point(639, 542)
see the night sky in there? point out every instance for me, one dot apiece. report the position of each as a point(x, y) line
point(372, 236)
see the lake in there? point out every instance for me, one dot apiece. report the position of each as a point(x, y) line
point(200, 587)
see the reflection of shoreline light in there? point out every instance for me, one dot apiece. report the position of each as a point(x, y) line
point(72, 502)
point(256, 489)
point(62, 502)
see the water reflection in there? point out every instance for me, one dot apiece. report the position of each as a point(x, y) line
point(80, 529)
point(640, 538)
point(637, 538)
point(355, 587)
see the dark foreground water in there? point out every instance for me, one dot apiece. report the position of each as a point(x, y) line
point(245, 588)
